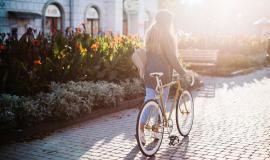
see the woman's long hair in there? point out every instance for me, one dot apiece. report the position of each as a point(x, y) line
point(160, 31)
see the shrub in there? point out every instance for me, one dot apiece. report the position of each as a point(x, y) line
point(64, 101)
point(132, 87)
point(103, 93)
point(7, 114)
point(236, 52)
point(230, 43)
point(28, 113)
point(62, 104)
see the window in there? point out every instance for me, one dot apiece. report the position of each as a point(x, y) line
point(53, 19)
point(92, 21)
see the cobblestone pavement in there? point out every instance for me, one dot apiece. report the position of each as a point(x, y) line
point(232, 121)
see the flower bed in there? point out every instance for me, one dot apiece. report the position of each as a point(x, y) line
point(29, 65)
point(225, 43)
point(64, 101)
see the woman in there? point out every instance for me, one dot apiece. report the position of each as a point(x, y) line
point(161, 50)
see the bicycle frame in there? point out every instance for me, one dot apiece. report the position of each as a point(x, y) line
point(159, 90)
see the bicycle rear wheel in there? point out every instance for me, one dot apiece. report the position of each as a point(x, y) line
point(149, 128)
point(184, 113)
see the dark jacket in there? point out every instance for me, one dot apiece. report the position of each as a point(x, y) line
point(164, 61)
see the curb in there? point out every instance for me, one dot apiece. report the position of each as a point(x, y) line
point(44, 129)
point(241, 72)
point(244, 71)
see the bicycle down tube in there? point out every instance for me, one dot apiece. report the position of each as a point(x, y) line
point(159, 89)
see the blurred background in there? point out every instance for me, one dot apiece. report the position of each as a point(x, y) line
point(220, 16)
point(134, 16)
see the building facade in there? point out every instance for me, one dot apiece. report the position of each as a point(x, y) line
point(95, 16)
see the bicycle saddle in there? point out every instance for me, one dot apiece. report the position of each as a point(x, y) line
point(156, 74)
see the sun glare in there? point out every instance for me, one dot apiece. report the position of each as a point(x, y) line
point(220, 15)
point(193, 2)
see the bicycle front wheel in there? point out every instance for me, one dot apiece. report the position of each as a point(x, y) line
point(184, 113)
point(149, 128)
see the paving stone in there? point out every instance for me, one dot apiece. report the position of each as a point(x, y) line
point(232, 123)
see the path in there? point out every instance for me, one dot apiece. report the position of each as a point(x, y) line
point(232, 121)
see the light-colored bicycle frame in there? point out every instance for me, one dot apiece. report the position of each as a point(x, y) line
point(159, 90)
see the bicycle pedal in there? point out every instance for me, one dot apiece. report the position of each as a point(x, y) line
point(173, 140)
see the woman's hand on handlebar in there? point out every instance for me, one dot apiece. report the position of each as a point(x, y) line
point(190, 77)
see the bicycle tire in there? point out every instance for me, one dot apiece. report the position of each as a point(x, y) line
point(179, 114)
point(143, 147)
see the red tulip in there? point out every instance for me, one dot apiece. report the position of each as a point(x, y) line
point(36, 43)
point(37, 62)
point(2, 47)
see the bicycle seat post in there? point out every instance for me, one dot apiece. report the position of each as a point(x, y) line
point(159, 84)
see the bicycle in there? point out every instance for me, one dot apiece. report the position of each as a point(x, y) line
point(157, 119)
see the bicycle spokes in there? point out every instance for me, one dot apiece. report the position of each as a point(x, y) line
point(184, 113)
point(149, 128)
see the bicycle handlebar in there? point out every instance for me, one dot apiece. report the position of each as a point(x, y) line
point(189, 74)
point(192, 79)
